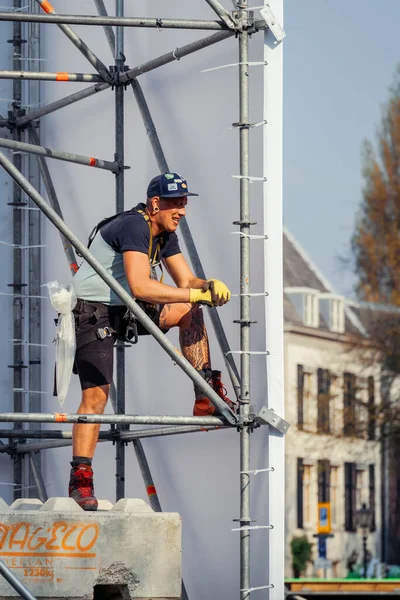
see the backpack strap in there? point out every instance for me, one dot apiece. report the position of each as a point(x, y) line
point(154, 260)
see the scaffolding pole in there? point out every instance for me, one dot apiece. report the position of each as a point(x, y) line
point(17, 283)
point(111, 435)
point(110, 419)
point(142, 317)
point(146, 67)
point(35, 483)
point(157, 23)
point(77, 41)
point(13, 580)
point(119, 207)
point(53, 200)
point(56, 76)
point(244, 321)
point(108, 30)
point(88, 161)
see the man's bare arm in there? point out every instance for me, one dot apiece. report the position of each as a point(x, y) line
point(137, 271)
point(181, 273)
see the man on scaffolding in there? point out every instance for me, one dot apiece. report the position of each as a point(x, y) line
point(132, 246)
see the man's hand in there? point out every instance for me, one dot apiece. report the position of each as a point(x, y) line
point(213, 293)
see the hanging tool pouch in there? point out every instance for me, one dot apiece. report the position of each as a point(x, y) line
point(127, 327)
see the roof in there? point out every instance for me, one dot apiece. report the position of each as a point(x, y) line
point(299, 271)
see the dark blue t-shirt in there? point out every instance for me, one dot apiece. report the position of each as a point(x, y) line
point(128, 231)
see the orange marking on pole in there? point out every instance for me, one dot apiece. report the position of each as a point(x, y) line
point(47, 7)
point(151, 490)
point(74, 267)
point(60, 417)
point(62, 76)
point(92, 161)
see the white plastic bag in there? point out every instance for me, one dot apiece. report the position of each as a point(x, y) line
point(63, 299)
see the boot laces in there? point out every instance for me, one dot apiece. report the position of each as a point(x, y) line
point(221, 390)
point(82, 482)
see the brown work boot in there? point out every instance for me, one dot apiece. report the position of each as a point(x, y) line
point(81, 487)
point(203, 407)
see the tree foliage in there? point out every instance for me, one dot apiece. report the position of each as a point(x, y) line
point(301, 554)
point(376, 240)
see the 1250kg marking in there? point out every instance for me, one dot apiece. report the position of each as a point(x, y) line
point(63, 536)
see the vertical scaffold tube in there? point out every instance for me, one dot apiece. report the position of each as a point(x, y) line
point(18, 238)
point(244, 309)
point(119, 196)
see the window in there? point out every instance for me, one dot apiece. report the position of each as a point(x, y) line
point(332, 310)
point(371, 408)
point(305, 512)
point(371, 473)
point(350, 496)
point(361, 487)
point(323, 481)
point(300, 474)
point(334, 493)
point(349, 404)
point(305, 399)
point(300, 396)
point(305, 301)
point(323, 425)
point(311, 310)
point(337, 315)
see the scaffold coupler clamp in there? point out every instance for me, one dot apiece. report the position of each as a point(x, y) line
point(267, 416)
point(244, 21)
point(250, 420)
point(115, 80)
point(13, 115)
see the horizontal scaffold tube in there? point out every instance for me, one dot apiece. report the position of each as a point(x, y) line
point(144, 68)
point(88, 161)
point(154, 23)
point(122, 419)
point(64, 440)
point(43, 76)
point(127, 436)
point(130, 303)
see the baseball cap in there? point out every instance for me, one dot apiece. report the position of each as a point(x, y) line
point(168, 185)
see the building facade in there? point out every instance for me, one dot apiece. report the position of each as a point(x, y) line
point(333, 454)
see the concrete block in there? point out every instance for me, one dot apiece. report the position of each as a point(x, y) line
point(133, 505)
point(26, 504)
point(105, 505)
point(127, 551)
point(61, 505)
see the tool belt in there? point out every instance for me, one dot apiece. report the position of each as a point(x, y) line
point(122, 322)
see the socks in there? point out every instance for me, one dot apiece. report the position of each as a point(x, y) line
point(81, 460)
point(206, 374)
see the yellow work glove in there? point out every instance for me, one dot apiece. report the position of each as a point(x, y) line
point(213, 293)
point(219, 292)
point(200, 297)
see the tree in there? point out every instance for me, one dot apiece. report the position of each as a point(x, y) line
point(301, 554)
point(376, 240)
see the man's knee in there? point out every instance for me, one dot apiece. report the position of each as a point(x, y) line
point(178, 315)
point(94, 399)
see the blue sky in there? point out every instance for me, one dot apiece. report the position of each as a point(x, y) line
point(340, 58)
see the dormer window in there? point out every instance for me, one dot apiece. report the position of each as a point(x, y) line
point(332, 309)
point(305, 301)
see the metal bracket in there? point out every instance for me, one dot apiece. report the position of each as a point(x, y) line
point(266, 416)
point(272, 23)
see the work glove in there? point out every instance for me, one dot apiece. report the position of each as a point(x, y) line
point(213, 293)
